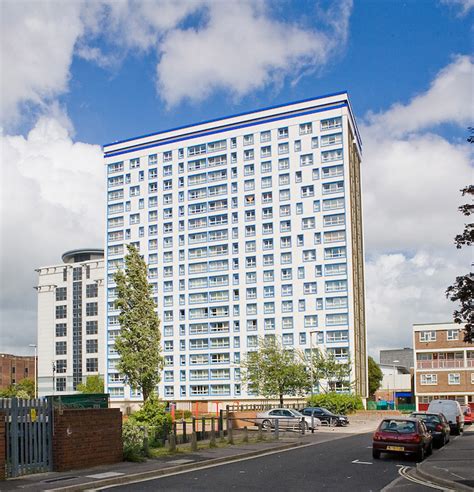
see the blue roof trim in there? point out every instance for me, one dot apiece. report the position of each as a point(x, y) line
point(212, 132)
point(205, 122)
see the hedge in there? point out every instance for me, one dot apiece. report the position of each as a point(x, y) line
point(339, 403)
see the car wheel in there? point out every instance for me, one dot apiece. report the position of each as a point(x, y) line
point(420, 455)
point(266, 425)
point(429, 451)
point(375, 454)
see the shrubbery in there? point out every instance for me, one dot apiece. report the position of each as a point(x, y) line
point(152, 421)
point(339, 403)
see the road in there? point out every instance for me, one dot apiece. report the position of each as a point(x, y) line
point(340, 465)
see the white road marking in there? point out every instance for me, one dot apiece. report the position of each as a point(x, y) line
point(105, 475)
point(403, 471)
point(357, 462)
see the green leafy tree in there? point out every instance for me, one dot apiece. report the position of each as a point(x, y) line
point(138, 343)
point(93, 384)
point(375, 376)
point(23, 389)
point(462, 291)
point(326, 370)
point(273, 371)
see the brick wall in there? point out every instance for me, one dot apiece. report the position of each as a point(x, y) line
point(243, 419)
point(2, 447)
point(86, 437)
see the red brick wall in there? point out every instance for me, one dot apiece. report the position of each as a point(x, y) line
point(86, 437)
point(3, 451)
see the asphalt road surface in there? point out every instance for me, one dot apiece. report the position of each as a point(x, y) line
point(341, 465)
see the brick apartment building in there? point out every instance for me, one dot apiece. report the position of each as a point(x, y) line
point(444, 364)
point(14, 368)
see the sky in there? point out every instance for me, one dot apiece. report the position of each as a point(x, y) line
point(79, 74)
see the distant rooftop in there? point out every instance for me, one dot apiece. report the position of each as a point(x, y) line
point(84, 254)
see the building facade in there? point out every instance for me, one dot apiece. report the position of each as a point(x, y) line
point(71, 334)
point(399, 357)
point(251, 226)
point(444, 364)
point(14, 368)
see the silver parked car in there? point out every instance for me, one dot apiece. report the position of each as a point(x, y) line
point(287, 419)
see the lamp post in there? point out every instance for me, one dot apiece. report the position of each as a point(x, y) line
point(394, 362)
point(33, 345)
point(311, 355)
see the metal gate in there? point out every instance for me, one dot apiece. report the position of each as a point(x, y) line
point(28, 429)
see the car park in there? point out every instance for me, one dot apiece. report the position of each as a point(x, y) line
point(326, 416)
point(402, 436)
point(451, 409)
point(287, 419)
point(436, 424)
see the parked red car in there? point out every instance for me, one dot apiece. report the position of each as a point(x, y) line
point(468, 416)
point(402, 436)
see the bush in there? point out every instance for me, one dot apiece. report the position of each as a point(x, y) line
point(337, 402)
point(155, 418)
point(133, 436)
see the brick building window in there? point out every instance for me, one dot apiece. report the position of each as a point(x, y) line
point(429, 379)
point(428, 336)
point(453, 334)
point(454, 378)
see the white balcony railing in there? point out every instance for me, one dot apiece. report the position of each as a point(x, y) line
point(442, 364)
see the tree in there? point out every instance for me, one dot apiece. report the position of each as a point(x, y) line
point(273, 371)
point(462, 290)
point(375, 376)
point(138, 343)
point(326, 370)
point(93, 384)
point(23, 389)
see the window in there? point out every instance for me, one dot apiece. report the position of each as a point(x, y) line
point(337, 336)
point(453, 335)
point(454, 378)
point(92, 327)
point(308, 223)
point(306, 160)
point(61, 348)
point(331, 123)
point(92, 365)
point(428, 336)
point(265, 136)
point(287, 339)
point(61, 293)
point(92, 309)
point(334, 220)
point(336, 285)
point(283, 132)
point(61, 366)
point(334, 187)
point(311, 321)
point(248, 139)
point(309, 255)
point(307, 191)
point(283, 148)
point(91, 346)
point(61, 330)
point(336, 319)
point(61, 384)
point(310, 288)
point(334, 138)
point(61, 312)
point(92, 290)
point(306, 128)
point(334, 236)
point(429, 379)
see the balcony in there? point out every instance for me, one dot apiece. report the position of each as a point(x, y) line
point(443, 364)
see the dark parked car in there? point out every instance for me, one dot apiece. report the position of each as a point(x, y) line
point(326, 416)
point(436, 424)
point(402, 436)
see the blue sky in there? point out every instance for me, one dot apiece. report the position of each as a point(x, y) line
point(394, 50)
point(85, 73)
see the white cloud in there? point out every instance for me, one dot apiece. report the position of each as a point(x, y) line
point(448, 100)
point(464, 6)
point(240, 49)
point(402, 290)
point(411, 183)
point(51, 200)
point(37, 40)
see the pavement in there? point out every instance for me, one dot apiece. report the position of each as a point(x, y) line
point(453, 465)
point(330, 459)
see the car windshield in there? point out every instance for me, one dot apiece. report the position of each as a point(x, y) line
point(429, 419)
point(326, 411)
point(296, 413)
point(399, 426)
